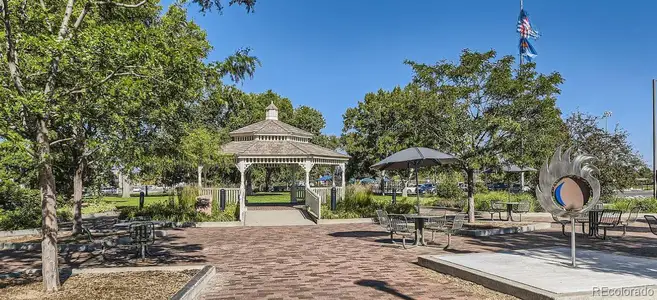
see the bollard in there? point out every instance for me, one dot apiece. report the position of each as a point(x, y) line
point(146, 188)
point(222, 199)
point(334, 199)
point(141, 200)
point(394, 196)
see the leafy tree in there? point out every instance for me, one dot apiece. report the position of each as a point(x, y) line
point(386, 122)
point(308, 119)
point(46, 47)
point(481, 110)
point(618, 162)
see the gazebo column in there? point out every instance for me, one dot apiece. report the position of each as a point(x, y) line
point(242, 166)
point(307, 167)
point(344, 174)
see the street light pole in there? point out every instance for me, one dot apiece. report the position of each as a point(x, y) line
point(606, 115)
point(654, 140)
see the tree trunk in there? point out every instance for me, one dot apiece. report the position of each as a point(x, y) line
point(471, 191)
point(268, 172)
point(199, 174)
point(126, 188)
point(49, 255)
point(78, 186)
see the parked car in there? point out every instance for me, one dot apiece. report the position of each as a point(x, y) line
point(109, 191)
point(498, 186)
point(427, 188)
point(410, 189)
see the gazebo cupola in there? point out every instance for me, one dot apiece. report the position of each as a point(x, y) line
point(272, 112)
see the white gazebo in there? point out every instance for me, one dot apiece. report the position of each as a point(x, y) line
point(272, 142)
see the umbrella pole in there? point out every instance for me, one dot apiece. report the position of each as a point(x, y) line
point(417, 192)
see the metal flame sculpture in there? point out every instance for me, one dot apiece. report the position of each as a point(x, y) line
point(568, 188)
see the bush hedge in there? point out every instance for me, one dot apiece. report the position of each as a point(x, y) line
point(359, 202)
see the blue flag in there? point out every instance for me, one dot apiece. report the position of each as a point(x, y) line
point(527, 50)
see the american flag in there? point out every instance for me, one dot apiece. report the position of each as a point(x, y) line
point(525, 27)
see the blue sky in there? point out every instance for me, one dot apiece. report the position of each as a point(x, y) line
point(329, 54)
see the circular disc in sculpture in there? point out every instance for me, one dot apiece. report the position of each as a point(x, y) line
point(572, 192)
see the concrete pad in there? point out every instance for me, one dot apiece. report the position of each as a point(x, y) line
point(546, 273)
point(507, 230)
point(276, 218)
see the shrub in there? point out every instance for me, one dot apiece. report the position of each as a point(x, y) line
point(177, 213)
point(482, 200)
point(449, 189)
point(359, 202)
point(28, 217)
point(187, 196)
point(647, 205)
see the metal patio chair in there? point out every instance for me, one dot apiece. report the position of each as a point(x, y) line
point(435, 224)
point(631, 218)
point(521, 208)
point(609, 219)
point(497, 207)
point(142, 235)
point(384, 221)
point(399, 226)
point(454, 227)
point(652, 223)
point(562, 222)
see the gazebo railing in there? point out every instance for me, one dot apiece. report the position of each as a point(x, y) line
point(232, 194)
point(313, 203)
point(324, 193)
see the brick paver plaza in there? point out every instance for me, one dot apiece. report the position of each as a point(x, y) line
point(346, 261)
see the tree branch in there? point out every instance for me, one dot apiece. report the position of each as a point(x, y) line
point(12, 58)
point(60, 141)
point(46, 11)
point(54, 64)
point(119, 4)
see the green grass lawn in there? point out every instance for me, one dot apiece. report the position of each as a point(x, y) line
point(134, 200)
point(282, 197)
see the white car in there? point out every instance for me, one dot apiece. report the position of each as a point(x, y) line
point(410, 190)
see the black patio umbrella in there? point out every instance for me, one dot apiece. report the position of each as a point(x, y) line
point(415, 157)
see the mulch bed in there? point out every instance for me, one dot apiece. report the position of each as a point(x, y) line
point(108, 286)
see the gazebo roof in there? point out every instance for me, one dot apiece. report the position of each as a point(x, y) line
point(271, 127)
point(273, 138)
point(279, 149)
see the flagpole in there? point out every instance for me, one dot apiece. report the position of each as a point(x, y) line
point(522, 140)
point(519, 48)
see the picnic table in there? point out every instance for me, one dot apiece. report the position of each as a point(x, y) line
point(419, 220)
